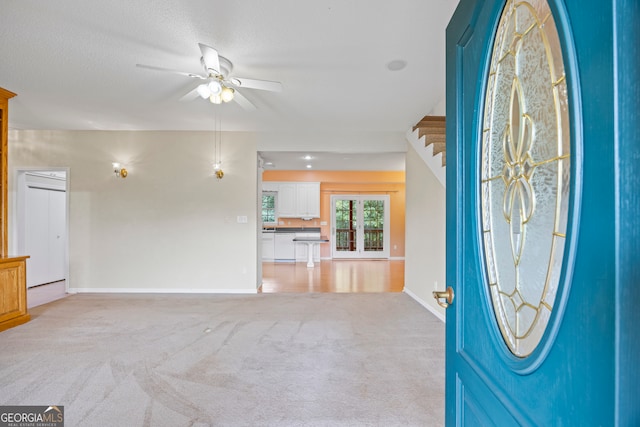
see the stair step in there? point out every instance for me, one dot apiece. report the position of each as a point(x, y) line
point(433, 139)
point(430, 122)
point(439, 147)
point(434, 129)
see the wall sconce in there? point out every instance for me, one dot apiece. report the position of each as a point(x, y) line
point(119, 170)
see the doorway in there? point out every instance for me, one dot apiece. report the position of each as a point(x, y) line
point(42, 225)
point(360, 226)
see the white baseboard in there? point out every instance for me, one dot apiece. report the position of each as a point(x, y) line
point(433, 311)
point(393, 258)
point(160, 291)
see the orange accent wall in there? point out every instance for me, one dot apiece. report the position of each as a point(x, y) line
point(350, 182)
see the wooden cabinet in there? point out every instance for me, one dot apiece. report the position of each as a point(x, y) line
point(13, 282)
point(13, 295)
point(5, 95)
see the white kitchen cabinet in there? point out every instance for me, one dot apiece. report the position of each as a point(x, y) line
point(284, 249)
point(296, 199)
point(287, 200)
point(308, 200)
point(268, 249)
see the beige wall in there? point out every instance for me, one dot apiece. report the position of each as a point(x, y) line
point(425, 238)
point(169, 226)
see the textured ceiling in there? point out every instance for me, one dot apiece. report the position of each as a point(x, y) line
point(73, 64)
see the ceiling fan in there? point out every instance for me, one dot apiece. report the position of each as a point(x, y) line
point(217, 84)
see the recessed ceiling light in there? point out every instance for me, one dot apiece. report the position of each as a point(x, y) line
point(309, 166)
point(307, 157)
point(397, 65)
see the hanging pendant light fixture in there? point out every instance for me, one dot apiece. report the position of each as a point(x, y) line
point(217, 148)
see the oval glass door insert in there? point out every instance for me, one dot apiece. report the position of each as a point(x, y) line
point(525, 175)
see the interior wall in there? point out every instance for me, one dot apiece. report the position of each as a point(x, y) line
point(351, 182)
point(426, 236)
point(170, 226)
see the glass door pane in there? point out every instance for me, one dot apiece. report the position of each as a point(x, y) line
point(373, 213)
point(346, 225)
point(360, 226)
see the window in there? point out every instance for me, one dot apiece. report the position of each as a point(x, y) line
point(269, 207)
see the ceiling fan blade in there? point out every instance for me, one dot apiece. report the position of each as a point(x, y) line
point(256, 84)
point(169, 70)
point(210, 58)
point(243, 102)
point(191, 95)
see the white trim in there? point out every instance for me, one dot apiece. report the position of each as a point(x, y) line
point(425, 305)
point(393, 258)
point(426, 153)
point(160, 291)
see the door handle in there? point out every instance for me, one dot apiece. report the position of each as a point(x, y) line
point(447, 296)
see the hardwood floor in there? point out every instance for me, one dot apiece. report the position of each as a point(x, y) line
point(334, 276)
point(326, 276)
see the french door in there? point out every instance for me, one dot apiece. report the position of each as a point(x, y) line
point(360, 226)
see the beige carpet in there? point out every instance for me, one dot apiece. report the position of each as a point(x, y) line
point(229, 360)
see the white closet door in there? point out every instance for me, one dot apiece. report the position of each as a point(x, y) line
point(57, 226)
point(37, 235)
point(45, 212)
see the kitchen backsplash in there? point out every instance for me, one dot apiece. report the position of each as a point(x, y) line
point(297, 222)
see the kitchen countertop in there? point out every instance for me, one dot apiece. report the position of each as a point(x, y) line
point(292, 230)
point(321, 239)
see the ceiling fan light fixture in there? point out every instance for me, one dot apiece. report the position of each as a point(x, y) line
point(215, 99)
point(227, 94)
point(203, 91)
point(215, 87)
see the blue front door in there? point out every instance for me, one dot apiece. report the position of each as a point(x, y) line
point(543, 213)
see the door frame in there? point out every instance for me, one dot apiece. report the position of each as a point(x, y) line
point(385, 253)
point(17, 203)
